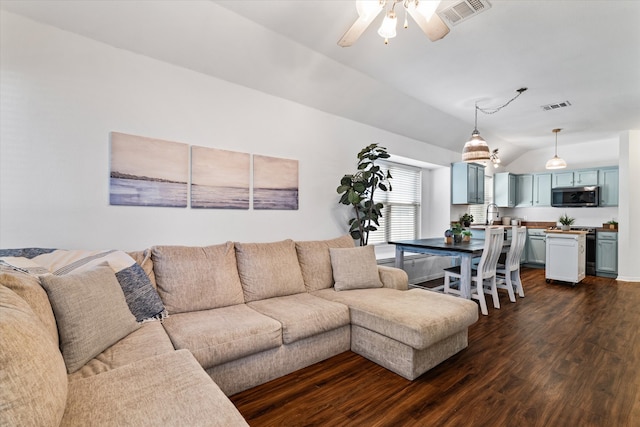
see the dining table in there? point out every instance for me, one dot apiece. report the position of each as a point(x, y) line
point(437, 246)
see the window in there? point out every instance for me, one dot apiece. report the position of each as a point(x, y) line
point(401, 213)
point(479, 212)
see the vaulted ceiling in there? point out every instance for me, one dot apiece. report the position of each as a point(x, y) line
point(583, 52)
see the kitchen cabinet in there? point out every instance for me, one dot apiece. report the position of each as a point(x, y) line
point(524, 190)
point(504, 189)
point(542, 189)
point(606, 253)
point(576, 178)
point(536, 246)
point(566, 257)
point(467, 183)
point(608, 182)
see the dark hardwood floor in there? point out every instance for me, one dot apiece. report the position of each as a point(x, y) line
point(561, 356)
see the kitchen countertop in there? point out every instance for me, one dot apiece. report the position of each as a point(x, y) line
point(566, 231)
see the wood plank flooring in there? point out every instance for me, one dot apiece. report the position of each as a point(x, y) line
point(561, 356)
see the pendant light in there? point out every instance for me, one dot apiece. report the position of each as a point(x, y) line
point(556, 162)
point(476, 148)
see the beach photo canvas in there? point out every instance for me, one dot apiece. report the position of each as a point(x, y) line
point(220, 179)
point(148, 172)
point(275, 183)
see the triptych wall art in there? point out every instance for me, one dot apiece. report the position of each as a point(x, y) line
point(153, 172)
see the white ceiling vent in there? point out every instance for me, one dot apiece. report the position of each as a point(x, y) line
point(556, 105)
point(462, 10)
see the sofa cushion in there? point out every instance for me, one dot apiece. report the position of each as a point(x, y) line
point(269, 270)
point(197, 278)
point(149, 340)
point(143, 259)
point(315, 261)
point(91, 313)
point(223, 334)
point(28, 288)
point(355, 268)
point(166, 390)
point(417, 318)
point(303, 315)
point(32, 371)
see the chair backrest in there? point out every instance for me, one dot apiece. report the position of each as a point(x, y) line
point(493, 241)
point(518, 239)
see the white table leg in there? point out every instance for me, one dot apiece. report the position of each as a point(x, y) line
point(465, 276)
point(399, 258)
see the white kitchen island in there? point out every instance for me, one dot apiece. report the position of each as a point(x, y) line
point(566, 256)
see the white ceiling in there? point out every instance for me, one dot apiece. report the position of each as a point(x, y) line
point(584, 52)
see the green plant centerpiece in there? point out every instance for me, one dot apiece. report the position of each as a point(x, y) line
point(358, 190)
point(566, 221)
point(466, 235)
point(457, 232)
point(466, 219)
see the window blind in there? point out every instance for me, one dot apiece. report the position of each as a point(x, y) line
point(401, 213)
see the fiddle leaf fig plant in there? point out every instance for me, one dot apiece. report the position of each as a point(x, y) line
point(358, 190)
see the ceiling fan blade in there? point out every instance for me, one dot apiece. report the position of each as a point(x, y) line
point(434, 28)
point(356, 30)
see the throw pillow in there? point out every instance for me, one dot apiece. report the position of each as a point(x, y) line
point(91, 313)
point(355, 268)
point(315, 261)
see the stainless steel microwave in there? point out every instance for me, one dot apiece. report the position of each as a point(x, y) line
point(575, 196)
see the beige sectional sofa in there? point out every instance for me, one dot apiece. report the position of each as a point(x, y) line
point(243, 313)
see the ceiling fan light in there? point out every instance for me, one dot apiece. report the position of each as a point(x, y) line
point(388, 28)
point(427, 7)
point(556, 163)
point(476, 149)
point(368, 8)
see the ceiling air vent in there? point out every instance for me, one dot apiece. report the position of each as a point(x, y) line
point(462, 10)
point(556, 105)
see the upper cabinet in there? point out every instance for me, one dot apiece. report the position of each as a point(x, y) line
point(608, 182)
point(504, 189)
point(524, 190)
point(542, 189)
point(578, 178)
point(467, 183)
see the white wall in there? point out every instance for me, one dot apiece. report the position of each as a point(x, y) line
point(629, 232)
point(61, 96)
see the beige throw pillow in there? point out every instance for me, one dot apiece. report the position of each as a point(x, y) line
point(355, 268)
point(91, 312)
point(315, 261)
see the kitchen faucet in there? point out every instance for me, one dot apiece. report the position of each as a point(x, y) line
point(487, 214)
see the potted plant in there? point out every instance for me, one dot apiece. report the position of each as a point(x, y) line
point(466, 236)
point(358, 190)
point(611, 225)
point(466, 219)
point(457, 232)
point(448, 236)
point(566, 222)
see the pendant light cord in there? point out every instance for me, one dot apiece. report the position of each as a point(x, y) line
point(496, 109)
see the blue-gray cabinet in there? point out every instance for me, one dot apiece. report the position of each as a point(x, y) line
point(536, 246)
point(467, 183)
point(542, 189)
point(608, 182)
point(524, 190)
point(576, 178)
point(606, 253)
point(504, 189)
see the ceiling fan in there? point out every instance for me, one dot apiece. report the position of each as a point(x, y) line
point(422, 11)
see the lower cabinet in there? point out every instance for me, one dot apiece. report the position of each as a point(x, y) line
point(606, 254)
point(536, 246)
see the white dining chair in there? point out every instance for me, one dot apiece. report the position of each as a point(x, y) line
point(508, 275)
point(484, 275)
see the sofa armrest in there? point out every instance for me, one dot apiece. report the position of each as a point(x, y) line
point(393, 278)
